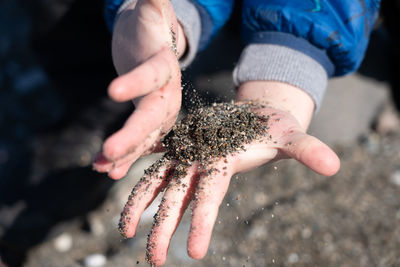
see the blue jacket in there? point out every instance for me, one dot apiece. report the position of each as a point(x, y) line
point(333, 32)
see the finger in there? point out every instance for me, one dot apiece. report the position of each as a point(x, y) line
point(121, 167)
point(101, 163)
point(165, 8)
point(312, 152)
point(151, 145)
point(157, 147)
point(149, 116)
point(159, 4)
point(174, 203)
point(144, 79)
point(209, 195)
point(120, 172)
point(142, 195)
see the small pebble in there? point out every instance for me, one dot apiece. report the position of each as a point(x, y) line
point(293, 258)
point(306, 233)
point(97, 226)
point(63, 242)
point(395, 178)
point(95, 260)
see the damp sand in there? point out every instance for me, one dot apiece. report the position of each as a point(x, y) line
point(206, 134)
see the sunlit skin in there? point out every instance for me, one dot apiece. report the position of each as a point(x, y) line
point(149, 72)
point(150, 75)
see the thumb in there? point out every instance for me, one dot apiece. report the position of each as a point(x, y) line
point(165, 9)
point(158, 4)
point(312, 153)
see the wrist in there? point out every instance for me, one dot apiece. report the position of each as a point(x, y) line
point(277, 62)
point(281, 96)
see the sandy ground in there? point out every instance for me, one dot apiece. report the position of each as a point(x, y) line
point(281, 214)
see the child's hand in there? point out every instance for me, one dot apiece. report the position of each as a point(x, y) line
point(146, 43)
point(286, 139)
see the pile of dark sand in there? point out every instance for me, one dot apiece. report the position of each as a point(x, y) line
point(208, 133)
point(213, 132)
point(203, 136)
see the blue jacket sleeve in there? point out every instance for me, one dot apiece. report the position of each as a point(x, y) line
point(110, 12)
point(333, 32)
point(213, 13)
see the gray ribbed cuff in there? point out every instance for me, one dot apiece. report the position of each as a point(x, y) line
point(189, 17)
point(279, 63)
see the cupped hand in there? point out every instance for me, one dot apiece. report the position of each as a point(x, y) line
point(206, 188)
point(147, 41)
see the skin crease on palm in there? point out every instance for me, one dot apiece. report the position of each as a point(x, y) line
point(150, 76)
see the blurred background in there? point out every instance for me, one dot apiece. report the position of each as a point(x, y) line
point(55, 66)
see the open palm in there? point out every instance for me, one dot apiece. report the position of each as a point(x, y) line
point(285, 139)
